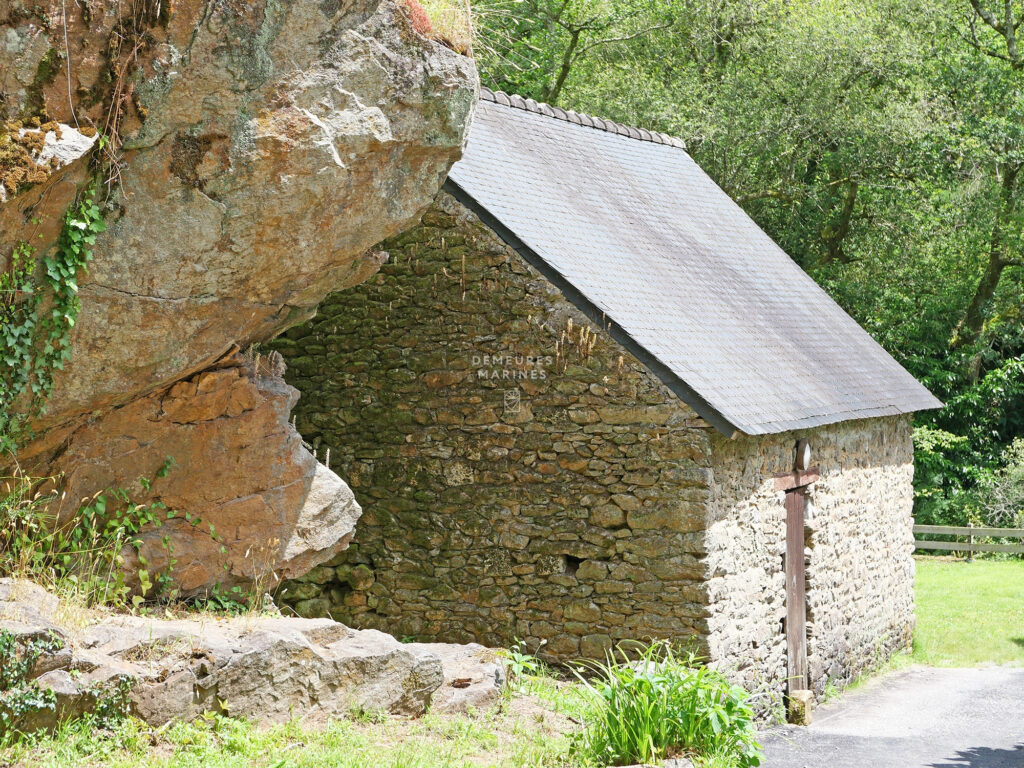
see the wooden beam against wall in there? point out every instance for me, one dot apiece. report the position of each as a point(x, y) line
point(787, 481)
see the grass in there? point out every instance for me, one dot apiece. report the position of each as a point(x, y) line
point(532, 727)
point(969, 614)
point(492, 740)
point(450, 23)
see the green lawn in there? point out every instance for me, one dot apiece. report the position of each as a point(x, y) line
point(494, 740)
point(969, 613)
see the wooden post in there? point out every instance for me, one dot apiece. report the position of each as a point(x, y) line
point(796, 593)
point(800, 699)
point(970, 543)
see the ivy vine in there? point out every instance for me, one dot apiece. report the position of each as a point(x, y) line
point(18, 319)
point(38, 309)
point(22, 698)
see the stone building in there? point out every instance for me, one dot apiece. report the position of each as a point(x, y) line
point(570, 405)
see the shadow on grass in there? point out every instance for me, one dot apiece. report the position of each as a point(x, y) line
point(985, 757)
point(1019, 641)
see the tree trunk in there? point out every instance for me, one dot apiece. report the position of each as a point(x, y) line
point(553, 91)
point(969, 330)
point(835, 232)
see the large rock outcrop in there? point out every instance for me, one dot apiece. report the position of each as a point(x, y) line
point(266, 668)
point(263, 149)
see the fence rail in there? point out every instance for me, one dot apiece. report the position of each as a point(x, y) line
point(971, 534)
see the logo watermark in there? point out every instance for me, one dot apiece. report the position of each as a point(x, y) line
point(513, 401)
point(512, 367)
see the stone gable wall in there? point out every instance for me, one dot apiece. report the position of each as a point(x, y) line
point(574, 501)
point(859, 545)
point(558, 496)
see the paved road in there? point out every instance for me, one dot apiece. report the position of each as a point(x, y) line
point(918, 718)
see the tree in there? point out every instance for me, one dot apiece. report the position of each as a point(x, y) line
point(879, 142)
point(990, 96)
point(532, 46)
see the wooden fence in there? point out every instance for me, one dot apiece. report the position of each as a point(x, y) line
point(966, 539)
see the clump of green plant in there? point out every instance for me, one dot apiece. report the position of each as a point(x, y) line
point(521, 663)
point(233, 601)
point(1003, 497)
point(22, 699)
point(83, 555)
point(651, 704)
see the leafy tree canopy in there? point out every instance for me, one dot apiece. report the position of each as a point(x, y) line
point(880, 142)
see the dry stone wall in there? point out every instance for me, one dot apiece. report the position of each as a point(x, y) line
point(858, 551)
point(521, 476)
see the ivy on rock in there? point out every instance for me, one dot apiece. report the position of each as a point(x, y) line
point(38, 309)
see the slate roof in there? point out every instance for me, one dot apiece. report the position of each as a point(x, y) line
point(630, 228)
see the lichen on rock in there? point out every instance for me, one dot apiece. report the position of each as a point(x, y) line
point(263, 149)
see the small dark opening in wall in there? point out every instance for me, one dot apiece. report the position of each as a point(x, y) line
point(572, 564)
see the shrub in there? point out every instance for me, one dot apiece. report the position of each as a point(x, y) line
point(659, 706)
point(1003, 500)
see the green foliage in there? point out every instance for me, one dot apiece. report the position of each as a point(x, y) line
point(83, 555)
point(233, 601)
point(1003, 500)
point(22, 699)
point(939, 479)
point(521, 663)
point(18, 302)
point(659, 705)
point(880, 142)
point(37, 312)
point(82, 223)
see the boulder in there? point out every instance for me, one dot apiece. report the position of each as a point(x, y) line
point(261, 149)
point(474, 677)
point(266, 668)
point(239, 467)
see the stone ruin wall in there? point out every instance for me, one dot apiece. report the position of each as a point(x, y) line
point(574, 517)
point(859, 545)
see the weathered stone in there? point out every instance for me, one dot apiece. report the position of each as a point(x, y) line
point(595, 646)
point(266, 147)
point(266, 669)
point(231, 465)
point(608, 516)
point(474, 677)
point(582, 610)
point(799, 707)
point(667, 516)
